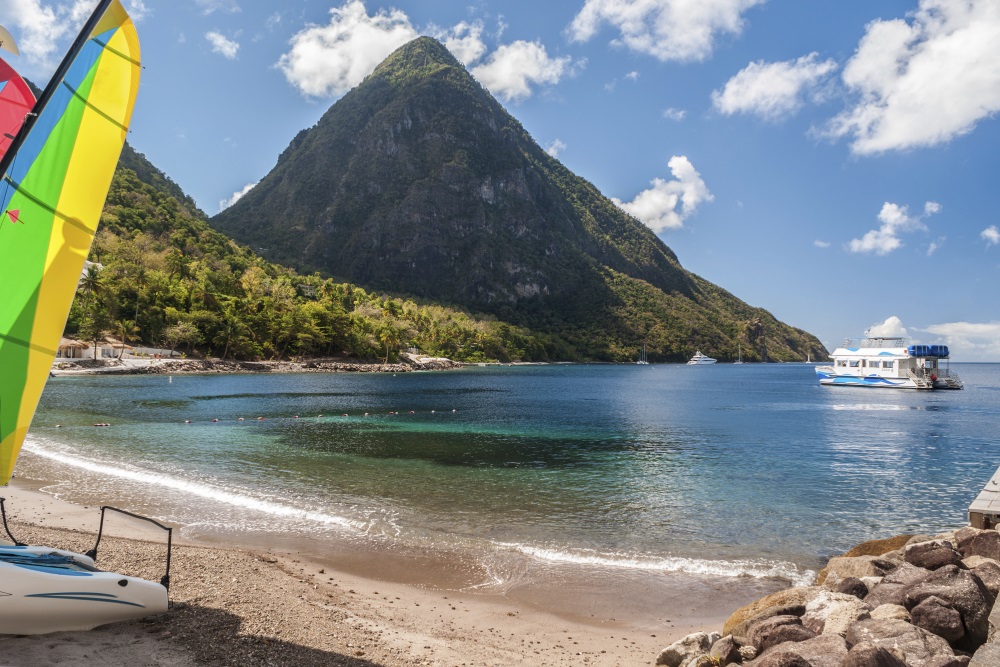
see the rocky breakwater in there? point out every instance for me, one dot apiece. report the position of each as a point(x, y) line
point(909, 601)
point(179, 366)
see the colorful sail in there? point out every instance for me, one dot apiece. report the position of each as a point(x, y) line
point(7, 42)
point(55, 181)
point(16, 100)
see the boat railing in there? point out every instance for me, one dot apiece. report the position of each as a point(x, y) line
point(165, 579)
point(874, 341)
point(927, 376)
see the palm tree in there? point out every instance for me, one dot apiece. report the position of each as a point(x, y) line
point(129, 331)
point(91, 285)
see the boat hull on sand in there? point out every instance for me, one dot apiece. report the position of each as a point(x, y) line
point(45, 590)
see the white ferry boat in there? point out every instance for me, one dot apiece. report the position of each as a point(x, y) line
point(700, 359)
point(888, 362)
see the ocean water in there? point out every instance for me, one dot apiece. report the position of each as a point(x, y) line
point(633, 473)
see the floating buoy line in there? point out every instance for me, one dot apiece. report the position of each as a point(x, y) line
point(216, 420)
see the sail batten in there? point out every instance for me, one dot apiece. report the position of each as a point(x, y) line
point(56, 187)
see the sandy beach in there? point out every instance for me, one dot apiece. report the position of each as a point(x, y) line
point(239, 606)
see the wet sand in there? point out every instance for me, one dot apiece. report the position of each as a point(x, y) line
point(265, 605)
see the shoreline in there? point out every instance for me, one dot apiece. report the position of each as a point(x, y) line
point(178, 366)
point(277, 606)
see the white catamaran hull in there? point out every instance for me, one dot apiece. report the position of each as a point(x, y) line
point(45, 590)
point(831, 378)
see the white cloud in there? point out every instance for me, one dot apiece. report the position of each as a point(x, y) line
point(821, 244)
point(555, 148)
point(935, 246)
point(136, 9)
point(970, 341)
point(772, 90)
point(328, 60)
point(40, 26)
point(657, 206)
point(891, 328)
point(226, 203)
point(991, 235)
point(682, 30)
point(895, 220)
point(925, 81)
point(210, 6)
point(464, 40)
point(512, 70)
point(632, 76)
point(674, 114)
point(37, 29)
point(222, 45)
point(331, 59)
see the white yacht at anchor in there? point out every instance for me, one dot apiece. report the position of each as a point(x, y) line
point(700, 359)
point(877, 361)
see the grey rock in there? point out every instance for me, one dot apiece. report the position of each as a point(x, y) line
point(779, 660)
point(994, 622)
point(852, 586)
point(683, 650)
point(867, 654)
point(833, 613)
point(907, 574)
point(823, 651)
point(701, 661)
point(918, 645)
point(943, 661)
point(726, 650)
point(973, 561)
point(986, 543)
point(963, 591)
point(895, 611)
point(776, 630)
point(887, 593)
point(962, 536)
point(789, 601)
point(988, 571)
point(932, 555)
point(844, 567)
point(934, 615)
point(988, 655)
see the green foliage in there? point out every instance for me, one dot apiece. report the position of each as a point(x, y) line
point(163, 278)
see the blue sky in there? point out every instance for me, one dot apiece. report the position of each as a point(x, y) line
point(833, 162)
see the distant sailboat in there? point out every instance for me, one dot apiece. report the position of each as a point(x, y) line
point(55, 178)
point(739, 359)
point(642, 357)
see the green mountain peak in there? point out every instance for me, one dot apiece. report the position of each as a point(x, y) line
point(419, 182)
point(417, 60)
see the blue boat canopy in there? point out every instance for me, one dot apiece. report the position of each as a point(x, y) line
point(928, 350)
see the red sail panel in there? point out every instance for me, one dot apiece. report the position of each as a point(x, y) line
point(16, 101)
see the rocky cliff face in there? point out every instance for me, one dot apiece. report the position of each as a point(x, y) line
point(419, 182)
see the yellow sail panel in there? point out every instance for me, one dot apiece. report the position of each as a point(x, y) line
point(55, 189)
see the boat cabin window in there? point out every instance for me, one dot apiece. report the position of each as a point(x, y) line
point(855, 363)
point(888, 364)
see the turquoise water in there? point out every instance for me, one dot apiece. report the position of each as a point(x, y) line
point(736, 471)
